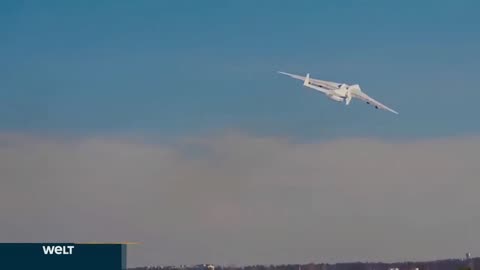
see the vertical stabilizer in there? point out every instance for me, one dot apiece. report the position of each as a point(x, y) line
point(307, 80)
point(348, 97)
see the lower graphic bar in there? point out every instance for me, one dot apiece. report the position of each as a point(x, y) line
point(72, 256)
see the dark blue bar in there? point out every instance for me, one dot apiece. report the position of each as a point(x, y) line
point(62, 256)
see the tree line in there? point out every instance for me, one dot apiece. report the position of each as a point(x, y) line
point(451, 264)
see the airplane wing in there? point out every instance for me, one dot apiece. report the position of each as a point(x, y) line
point(323, 84)
point(361, 95)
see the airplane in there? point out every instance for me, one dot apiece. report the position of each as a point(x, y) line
point(340, 92)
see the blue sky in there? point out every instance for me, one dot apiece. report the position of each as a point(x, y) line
point(177, 68)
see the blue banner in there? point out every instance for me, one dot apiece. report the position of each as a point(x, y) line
point(72, 256)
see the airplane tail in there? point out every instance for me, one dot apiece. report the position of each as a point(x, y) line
point(306, 82)
point(348, 97)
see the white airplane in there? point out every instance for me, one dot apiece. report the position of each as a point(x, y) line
point(338, 91)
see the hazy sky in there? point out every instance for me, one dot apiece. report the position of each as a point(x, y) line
point(165, 122)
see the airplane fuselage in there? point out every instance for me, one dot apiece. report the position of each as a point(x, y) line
point(335, 97)
point(339, 94)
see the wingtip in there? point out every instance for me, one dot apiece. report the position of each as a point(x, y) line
point(392, 111)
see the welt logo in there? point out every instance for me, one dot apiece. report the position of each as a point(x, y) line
point(58, 250)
